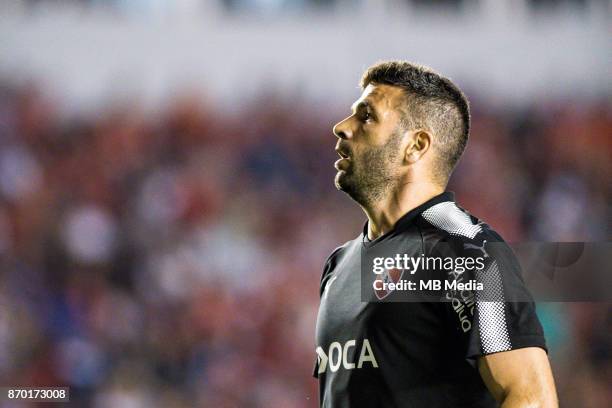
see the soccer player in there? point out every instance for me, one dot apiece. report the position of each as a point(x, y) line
point(482, 348)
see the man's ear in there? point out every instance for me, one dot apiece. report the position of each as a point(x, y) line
point(419, 143)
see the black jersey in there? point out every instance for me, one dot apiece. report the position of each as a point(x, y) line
point(421, 353)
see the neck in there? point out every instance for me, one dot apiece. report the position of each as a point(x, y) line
point(383, 214)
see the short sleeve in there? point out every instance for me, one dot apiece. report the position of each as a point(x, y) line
point(498, 313)
point(329, 265)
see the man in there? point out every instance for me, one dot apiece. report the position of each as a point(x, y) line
point(397, 151)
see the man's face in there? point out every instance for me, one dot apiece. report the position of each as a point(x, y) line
point(369, 144)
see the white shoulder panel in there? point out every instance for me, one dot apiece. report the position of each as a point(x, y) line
point(448, 217)
point(492, 325)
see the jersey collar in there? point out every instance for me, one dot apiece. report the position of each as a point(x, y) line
point(408, 218)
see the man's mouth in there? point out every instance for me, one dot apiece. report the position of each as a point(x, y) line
point(342, 154)
point(343, 162)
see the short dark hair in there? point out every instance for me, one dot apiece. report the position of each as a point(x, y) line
point(432, 102)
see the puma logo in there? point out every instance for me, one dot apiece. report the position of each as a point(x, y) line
point(485, 254)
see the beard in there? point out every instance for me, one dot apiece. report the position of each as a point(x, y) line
point(370, 176)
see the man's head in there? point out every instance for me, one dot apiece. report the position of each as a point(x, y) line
point(409, 122)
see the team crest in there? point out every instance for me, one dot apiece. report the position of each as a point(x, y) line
point(388, 276)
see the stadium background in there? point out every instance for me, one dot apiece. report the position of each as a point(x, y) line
point(166, 196)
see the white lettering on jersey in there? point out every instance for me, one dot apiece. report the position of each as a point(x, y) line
point(345, 363)
point(334, 366)
point(322, 359)
point(369, 357)
point(337, 355)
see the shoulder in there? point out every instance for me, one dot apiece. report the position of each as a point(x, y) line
point(450, 231)
point(448, 223)
point(332, 260)
point(337, 254)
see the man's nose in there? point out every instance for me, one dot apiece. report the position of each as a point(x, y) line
point(342, 130)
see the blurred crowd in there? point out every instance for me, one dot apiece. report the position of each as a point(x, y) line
point(172, 258)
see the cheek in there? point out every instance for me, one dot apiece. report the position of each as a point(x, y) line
point(379, 134)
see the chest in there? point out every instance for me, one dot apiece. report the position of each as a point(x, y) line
point(349, 311)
